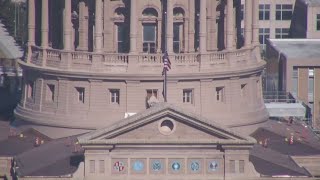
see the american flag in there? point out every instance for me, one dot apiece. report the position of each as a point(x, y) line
point(166, 63)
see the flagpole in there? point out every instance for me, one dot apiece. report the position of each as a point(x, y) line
point(165, 49)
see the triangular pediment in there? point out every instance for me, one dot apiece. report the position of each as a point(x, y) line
point(164, 123)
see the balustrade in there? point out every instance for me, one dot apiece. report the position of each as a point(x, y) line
point(150, 59)
point(59, 58)
point(116, 58)
point(81, 56)
point(187, 58)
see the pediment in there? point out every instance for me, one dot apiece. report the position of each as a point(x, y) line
point(164, 123)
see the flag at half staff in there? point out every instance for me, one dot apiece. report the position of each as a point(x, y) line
point(166, 62)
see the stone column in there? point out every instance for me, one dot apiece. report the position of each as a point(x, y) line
point(191, 26)
point(159, 36)
point(255, 22)
point(248, 23)
point(230, 25)
point(203, 26)
point(83, 26)
point(67, 25)
point(169, 31)
point(31, 27)
point(44, 23)
point(98, 26)
point(213, 26)
point(31, 22)
point(133, 27)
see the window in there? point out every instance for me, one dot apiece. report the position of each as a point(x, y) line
point(318, 22)
point(187, 96)
point(151, 92)
point(92, 166)
point(264, 33)
point(80, 94)
point(295, 81)
point(264, 12)
point(241, 166)
point(282, 33)
point(243, 90)
point(284, 11)
point(149, 38)
point(242, 12)
point(258, 89)
point(176, 37)
point(311, 85)
point(122, 33)
point(232, 166)
point(115, 96)
point(30, 89)
point(101, 166)
point(50, 92)
point(220, 94)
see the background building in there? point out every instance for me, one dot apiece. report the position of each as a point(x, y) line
point(292, 63)
point(274, 19)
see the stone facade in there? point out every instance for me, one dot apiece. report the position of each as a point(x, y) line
point(156, 144)
point(109, 67)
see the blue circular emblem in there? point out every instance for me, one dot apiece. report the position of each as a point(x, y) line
point(213, 165)
point(176, 166)
point(138, 165)
point(195, 166)
point(156, 165)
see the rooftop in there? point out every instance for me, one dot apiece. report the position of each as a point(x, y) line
point(312, 2)
point(8, 47)
point(297, 48)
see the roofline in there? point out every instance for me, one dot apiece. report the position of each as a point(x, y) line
point(166, 142)
point(274, 46)
point(295, 39)
point(122, 124)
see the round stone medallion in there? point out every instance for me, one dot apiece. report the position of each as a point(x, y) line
point(156, 166)
point(194, 166)
point(118, 166)
point(213, 165)
point(176, 166)
point(138, 165)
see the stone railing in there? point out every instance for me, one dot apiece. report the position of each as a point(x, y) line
point(138, 63)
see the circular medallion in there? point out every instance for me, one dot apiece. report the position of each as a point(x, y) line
point(138, 165)
point(118, 166)
point(176, 166)
point(156, 166)
point(166, 127)
point(195, 166)
point(213, 165)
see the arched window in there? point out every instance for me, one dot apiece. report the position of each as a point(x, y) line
point(150, 29)
point(122, 35)
point(178, 29)
point(150, 12)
